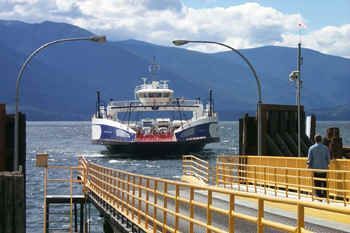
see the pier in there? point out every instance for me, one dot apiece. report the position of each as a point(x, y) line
point(213, 200)
point(12, 181)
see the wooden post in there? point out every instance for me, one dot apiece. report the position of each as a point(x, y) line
point(177, 207)
point(191, 209)
point(260, 226)
point(209, 214)
point(12, 202)
point(300, 220)
point(231, 216)
point(2, 137)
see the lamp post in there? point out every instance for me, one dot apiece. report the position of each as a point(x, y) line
point(183, 42)
point(98, 39)
point(295, 77)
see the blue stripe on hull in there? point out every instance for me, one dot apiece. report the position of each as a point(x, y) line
point(113, 133)
point(196, 132)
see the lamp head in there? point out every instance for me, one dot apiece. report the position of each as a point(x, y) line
point(180, 42)
point(98, 39)
point(294, 75)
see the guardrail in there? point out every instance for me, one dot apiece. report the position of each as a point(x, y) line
point(154, 203)
point(283, 176)
point(71, 172)
point(195, 167)
point(173, 102)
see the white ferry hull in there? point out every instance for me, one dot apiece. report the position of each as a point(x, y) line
point(119, 138)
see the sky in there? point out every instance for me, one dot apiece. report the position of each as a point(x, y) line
point(240, 24)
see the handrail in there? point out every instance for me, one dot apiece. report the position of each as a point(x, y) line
point(142, 198)
point(195, 167)
point(70, 181)
point(282, 180)
point(137, 103)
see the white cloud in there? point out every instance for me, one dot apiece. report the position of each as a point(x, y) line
point(241, 26)
point(330, 39)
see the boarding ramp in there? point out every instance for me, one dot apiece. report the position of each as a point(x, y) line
point(132, 202)
point(153, 204)
point(284, 177)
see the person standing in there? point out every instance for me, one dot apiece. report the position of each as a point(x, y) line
point(319, 158)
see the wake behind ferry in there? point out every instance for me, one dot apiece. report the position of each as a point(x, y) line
point(173, 133)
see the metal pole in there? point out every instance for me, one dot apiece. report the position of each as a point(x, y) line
point(101, 39)
point(298, 99)
point(259, 102)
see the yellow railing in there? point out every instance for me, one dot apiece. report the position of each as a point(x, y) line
point(71, 180)
point(283, 176)
point(160, 205)
point(195, 167)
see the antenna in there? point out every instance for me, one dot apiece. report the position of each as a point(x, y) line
point(153, 68)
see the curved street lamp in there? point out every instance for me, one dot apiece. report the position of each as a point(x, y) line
point(98, 39)
point(183, 42)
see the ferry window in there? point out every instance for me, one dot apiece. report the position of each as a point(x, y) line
point(166, 95)
point(154, 95)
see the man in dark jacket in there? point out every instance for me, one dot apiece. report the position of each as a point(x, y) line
point(319, 158)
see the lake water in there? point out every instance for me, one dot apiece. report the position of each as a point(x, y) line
point(65, 142)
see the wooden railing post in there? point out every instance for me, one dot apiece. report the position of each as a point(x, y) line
point(275, 180)
point(286, 180)
point(191, 209)
point(327, 188)
point(123, 192)
point(217, 173)
point(155, 201)
point(208, 173)
point(165, 206)
point(147, 205)
point(139, 202)
point(255, 190)
point(265, 191)
point(128, 194)
point(344, 188)
point(298, 184)
point(133, 195)
point(231, 217)
point(177, 207)
point(209, 215)
point(260, 226)
point(224, 173)
point(300, 220)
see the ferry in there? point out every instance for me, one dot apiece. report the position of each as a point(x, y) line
point(162, 127)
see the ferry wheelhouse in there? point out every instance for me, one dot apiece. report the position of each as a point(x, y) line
point(118, 128)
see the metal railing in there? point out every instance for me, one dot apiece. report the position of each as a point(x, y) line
point(284, 177)
point(155, 85)
point(137, 103)
point(160, 205)
point(71, 171)
point(193, 166)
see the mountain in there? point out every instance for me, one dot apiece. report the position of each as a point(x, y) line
point(323, 75)
point(61, 81)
